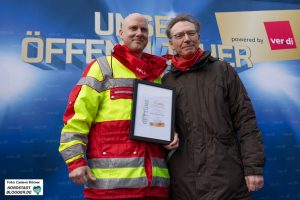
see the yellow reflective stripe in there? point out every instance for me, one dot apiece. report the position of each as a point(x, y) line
point(66, 145)
point(130, 172)
point(160, 177)
point(74, 158)
point(160, 172)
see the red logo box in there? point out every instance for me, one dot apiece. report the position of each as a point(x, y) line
point(280, 35)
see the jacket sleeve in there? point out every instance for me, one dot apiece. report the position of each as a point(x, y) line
point(80, 113)
point(245, 125)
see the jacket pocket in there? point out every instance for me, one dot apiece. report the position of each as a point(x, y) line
point(231, 149)
point(227, 140)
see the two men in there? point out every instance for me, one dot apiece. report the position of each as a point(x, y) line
point(221, 151)
point(98, 118)
point(220, 154)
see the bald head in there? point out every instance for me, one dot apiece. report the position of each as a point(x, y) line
point(134, 33)
point(133, 16)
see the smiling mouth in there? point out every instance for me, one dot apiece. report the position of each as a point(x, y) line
point(139, 41)
point(187, 47)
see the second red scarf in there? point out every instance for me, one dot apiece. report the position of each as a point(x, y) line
point(183, 64)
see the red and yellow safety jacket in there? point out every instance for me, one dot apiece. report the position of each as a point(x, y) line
point(98, 117)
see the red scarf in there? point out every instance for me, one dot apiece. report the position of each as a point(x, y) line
point(149, 67)
point(184, 64)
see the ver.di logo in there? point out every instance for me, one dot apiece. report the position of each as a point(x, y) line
point(37, 189)
point(280, 35)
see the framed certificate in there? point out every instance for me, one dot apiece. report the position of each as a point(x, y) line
point(153, 110)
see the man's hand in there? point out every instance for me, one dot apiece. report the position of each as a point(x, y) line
point(254, 182)
point(81, 175)
point(174, 144)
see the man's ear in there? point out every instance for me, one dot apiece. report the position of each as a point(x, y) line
point(121, 33)
point(171, 44)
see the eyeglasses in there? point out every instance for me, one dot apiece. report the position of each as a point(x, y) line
point(181, 35)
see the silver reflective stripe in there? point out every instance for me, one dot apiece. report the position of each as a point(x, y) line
point(104, 66)
point(92, 83)
point(158, 162)
point(116, 162)
point(120, 82)
point(100, 86)
point(159, 181)
point(113, 183)
point(72, 151)
point(68, 137)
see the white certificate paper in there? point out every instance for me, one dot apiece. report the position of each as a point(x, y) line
point(153, 112)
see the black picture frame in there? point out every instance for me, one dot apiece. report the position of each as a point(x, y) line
point(153, 112)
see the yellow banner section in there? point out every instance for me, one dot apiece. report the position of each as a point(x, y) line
point(270, 35)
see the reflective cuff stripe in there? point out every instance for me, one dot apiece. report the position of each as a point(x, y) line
point(116, 162)
point(133, 172)
point(72, 151)
point(66, 145)
point(104, 66)
point(158, 162)
point(100, 86)
point(159, 181)
point(114, 183)
point(67, 137)
point(75, 158)
point(160, 172)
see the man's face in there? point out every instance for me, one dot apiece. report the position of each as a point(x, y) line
point(185, 39)
point(134, 33)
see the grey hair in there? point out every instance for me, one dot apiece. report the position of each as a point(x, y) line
point(180, 18)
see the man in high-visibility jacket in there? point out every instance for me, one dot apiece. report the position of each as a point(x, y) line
point(97, 123)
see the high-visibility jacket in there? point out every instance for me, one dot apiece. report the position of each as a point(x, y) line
point(98, 117)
